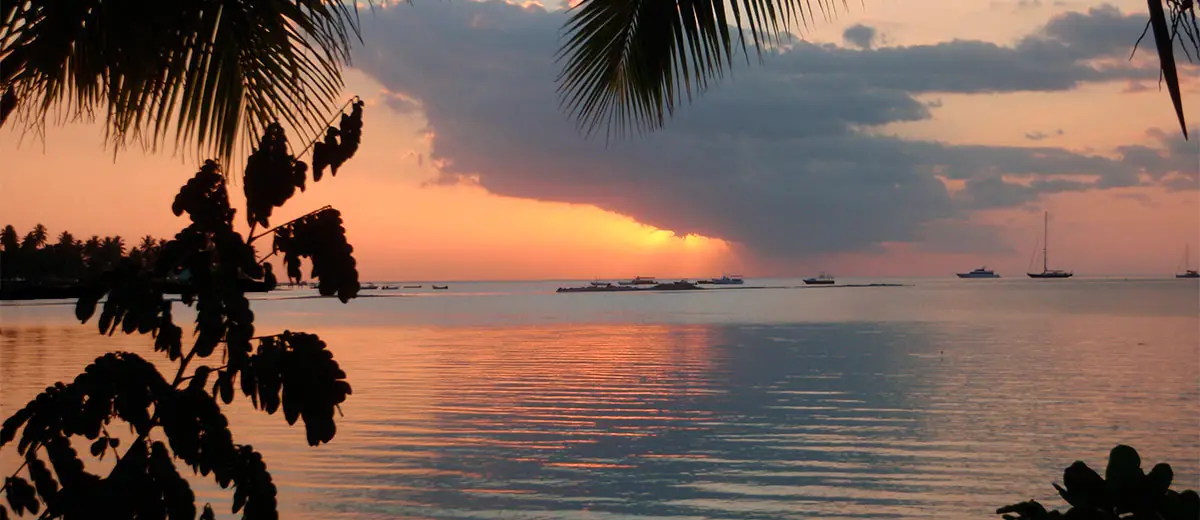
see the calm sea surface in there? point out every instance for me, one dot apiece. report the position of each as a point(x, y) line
point(943, 399)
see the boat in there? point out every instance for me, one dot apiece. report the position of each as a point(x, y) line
point(598, 283)
point(440, 287)
point(600, 288)
point(640, 280)
point(388, 288)
point(1046, 271)
point(367, 286)
point(1187, 271)
point(821, 279)
point(725, 280)
point(982, 272)
point(682, 285)
point(412, 286)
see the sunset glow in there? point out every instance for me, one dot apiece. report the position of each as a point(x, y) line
point(418, 207)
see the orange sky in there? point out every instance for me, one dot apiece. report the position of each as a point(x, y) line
point(403, 228)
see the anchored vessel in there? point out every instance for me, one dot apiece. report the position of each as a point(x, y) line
point(1188, 272)
point(1046, 271)
point(982, 272)
point(640, 280)
point(821, 279)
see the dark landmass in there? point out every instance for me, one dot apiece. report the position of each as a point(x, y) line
point(24, 290)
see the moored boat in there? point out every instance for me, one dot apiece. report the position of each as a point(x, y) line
point(682, 285)
point(821, 279)
point(982, 272)
point(1188, 272)
point(735, 279)
point(640, 280)
point(1046, 271)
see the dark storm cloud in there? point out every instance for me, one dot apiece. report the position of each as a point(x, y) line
point(779, 158)
point(859, 35)
point(1175, 162)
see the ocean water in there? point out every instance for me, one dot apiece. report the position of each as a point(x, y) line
point(941, 399)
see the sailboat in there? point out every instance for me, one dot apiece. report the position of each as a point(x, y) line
point(1187, 271)
point(1046, 271)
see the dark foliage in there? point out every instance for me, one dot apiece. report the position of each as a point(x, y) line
point(272, 176)
point(212, 73)
point(1124, 492)
point(339, 144)
point(1171, 21)
point(320, 237)
point(293, 371)
point(628, 64)
point(67, 260)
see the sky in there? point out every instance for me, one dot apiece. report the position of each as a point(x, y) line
point(901, 138)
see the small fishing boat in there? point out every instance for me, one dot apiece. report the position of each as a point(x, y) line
point(367, 286)
point(412, 286)
point(440, 287)
point(821, 279)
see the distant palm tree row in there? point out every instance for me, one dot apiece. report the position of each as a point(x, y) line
point(34, 258)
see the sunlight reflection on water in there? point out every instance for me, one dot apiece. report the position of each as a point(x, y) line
point(954, 403)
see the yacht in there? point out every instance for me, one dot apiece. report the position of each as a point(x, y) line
point(735, 279)
point(1046, 271)
point(821, 279)
point(1188, 272)
point(982, 272)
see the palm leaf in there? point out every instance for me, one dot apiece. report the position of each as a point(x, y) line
point(210, 73)
point(630, 62)
point(1164, 41)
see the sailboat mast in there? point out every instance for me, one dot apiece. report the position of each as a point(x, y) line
point(1045, 242)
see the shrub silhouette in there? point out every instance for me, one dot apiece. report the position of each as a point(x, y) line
point(210, 265)
point(1124, 492)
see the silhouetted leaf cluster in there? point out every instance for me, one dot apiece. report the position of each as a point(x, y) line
point(204, 198)
point(340, 143)
point(133, 303)
point(1124, 492)
point(320, 237)
point(210, 265)
point(296, 371)
point(272, 176)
